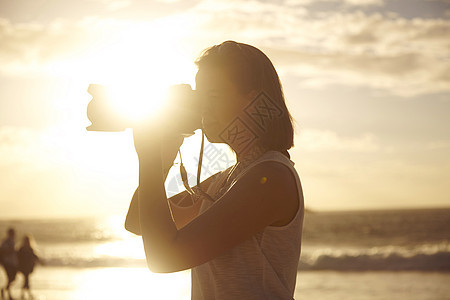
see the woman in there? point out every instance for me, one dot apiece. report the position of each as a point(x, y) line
point(9, 260)
point(27, 260)
point(239, 230)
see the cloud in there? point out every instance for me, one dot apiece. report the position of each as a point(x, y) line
point(20, 147)
point(436, 145)
point(113, 5)
point(30, 46)
point(56, 172)
point(371, 183)
point(169, 1)
point(342, 2)
point(404, 57)
point(94, 49)
point(63, 146)
point(117, 4)
point(31, 174)
point(405, 75)
point(324, 140)
point(442, 1)
point(363, 173)
point(365, 2)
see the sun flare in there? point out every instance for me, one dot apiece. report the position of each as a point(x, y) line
point(138, 65)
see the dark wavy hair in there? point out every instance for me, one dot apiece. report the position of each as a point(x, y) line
point(251, 70)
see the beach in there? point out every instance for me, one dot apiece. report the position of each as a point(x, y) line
point(364, 255)
point(54, 283)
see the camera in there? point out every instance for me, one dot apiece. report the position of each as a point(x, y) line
point(179, 114)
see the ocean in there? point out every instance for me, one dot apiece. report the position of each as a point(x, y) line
point(392, 254)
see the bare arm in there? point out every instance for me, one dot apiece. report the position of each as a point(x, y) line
point(183, 211)
point(132, 223)
point(132, 219)
point(181, 206)
point(248, 207)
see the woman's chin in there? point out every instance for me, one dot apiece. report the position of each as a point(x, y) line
point(213, 137)
point(212, 132)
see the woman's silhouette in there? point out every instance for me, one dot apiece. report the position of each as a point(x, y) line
point(27, 261)
point(239, 230)
point(9, 261)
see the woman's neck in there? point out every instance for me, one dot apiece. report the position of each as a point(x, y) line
point(250, 155)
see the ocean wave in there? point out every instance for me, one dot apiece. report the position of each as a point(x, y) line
point(422, 258)
point(427, 258)
point(97, 262)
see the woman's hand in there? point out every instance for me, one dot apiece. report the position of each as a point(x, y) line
point(180, 117)
point(162, 136)
point(153, 141)
point(151, 138)
point(146, 139)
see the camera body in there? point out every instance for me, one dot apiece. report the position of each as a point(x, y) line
point(180, 113)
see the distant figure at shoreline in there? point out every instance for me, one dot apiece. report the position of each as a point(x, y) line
point(27, 260)
point(9, 261)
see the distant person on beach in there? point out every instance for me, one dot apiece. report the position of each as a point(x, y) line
point(27, 260)
point(239, 230)
point(9, 261)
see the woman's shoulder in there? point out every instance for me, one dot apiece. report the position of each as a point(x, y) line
point(276, 172)
point(271, 160)
point(273, 155)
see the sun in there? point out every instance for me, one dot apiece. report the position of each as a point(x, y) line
point(138, 65)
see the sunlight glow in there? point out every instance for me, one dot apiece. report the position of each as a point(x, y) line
point(136, 64)
point(139, 65)
point(132, 283)
point(127, 246)
point(137, 61)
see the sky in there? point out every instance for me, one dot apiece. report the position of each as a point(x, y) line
point(367, 82)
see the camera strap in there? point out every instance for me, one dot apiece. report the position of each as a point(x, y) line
point(183, 172)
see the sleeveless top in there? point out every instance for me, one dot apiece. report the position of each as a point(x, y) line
point(262, 267)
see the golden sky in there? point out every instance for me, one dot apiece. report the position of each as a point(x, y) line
point(367, 81)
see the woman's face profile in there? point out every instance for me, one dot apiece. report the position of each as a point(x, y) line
point(221, 101)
